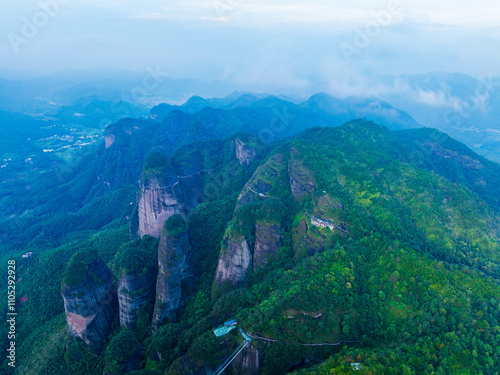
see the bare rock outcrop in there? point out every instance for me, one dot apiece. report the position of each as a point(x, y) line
point(244, 153)
point(268, 239)
point(161, 195)
point(89, 300)
point(135, 289)
point(174, 266)
point(235, 259)
point(301, 179)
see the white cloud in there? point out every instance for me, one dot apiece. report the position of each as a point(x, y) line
point(459, 12)
point(229, 38)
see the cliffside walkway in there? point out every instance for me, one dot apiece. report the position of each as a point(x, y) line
point(261, 195)
point(179, 178)
point(199, 172)
point(298, 343)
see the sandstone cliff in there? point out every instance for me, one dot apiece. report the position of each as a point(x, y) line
point(89, 300)
point(234, 261)
point(136, 267)
point(195, 174)
point(245, 153)
point(268, 239)
point(258, 215)
point(161, 195)
point(174, 266)
point(262, 216)
point(134, 291)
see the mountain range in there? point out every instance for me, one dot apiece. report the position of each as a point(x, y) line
point(342, 235)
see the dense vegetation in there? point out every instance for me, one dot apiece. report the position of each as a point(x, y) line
point(408, 284)
point(174, 225)
point(157, 165)
point(138, 255)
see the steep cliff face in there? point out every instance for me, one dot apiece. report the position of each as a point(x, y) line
point(196, 173)
point(134, 291)
point(245, 153)
point(268, 239)
point(136, 266)
point(259, 214)
point(89, 300)
point(301, 179)
point(109, 139)
point(156, 204)
point(174, 266)
point(234, 261)
point(161, 195)
point(262, 212)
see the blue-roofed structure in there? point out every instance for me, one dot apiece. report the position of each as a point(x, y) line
point(226, 328)
point(221, 331)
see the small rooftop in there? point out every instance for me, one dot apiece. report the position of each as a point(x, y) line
point(356, 366)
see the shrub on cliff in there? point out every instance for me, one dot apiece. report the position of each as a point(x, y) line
point(175, 225)
point(159, 166)
point(78, 267)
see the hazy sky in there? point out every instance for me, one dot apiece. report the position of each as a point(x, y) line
point(251, 41)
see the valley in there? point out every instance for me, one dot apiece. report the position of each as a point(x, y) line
point(338, 242)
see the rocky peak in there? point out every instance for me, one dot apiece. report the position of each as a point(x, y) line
point(301, 179)
point(244, 153)
point(261, 214)
point(89, 299)
point(136, 263)
point(234, 261)
point(134, 290)
point(174, 266)
point(268, 239)
point(160, 195)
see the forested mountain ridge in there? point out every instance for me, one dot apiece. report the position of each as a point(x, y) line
point(115, 165)
point(406, 244)
point(357, 233)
